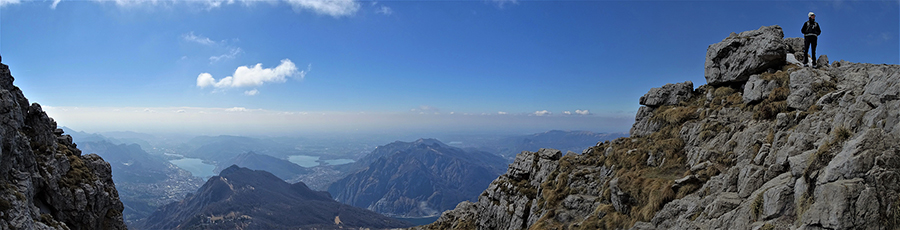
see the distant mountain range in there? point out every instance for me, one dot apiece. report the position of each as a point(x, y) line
point(418, 179)
point(575, 141)
point(279, 167)
point(144, 181)
point(241, 198)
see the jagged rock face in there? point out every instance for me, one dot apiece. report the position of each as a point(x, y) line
point(819, 151)
point(46, 182)
point(737, 57)
point(668, 95)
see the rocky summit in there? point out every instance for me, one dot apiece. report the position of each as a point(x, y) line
point(765, 144)
point(45, 182)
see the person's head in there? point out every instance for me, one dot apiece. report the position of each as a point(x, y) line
point(812, 15)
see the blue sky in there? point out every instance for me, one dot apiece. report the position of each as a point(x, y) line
point(346, 65)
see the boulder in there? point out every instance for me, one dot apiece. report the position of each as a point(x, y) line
point(794, 45)
point(669, 94)
point(735, 59)
point(822, 61)
point(758, 89)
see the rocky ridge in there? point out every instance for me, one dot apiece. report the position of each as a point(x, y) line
point(766, 144)
point(45, 182)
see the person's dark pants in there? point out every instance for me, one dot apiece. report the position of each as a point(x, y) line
point(807, 41)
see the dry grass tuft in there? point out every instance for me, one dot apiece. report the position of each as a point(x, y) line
point(674, 115)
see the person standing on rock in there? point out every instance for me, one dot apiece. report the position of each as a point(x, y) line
point(811, 33)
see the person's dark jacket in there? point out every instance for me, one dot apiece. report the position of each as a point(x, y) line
point(811, 28)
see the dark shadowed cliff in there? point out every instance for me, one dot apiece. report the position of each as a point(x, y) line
point(45, 182)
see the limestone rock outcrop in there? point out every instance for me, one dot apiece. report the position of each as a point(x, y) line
point(737, 57)
point(45, 182)
point(669, 94)
point(788, 148)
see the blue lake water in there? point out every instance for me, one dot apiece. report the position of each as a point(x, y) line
point(313, 161)
point(195, 166)
point(304, 160)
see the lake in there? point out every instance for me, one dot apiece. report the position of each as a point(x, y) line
point(313, 161)
point(195, 166)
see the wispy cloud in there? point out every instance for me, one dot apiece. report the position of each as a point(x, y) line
point(9, 2)
point(500, 113)
point(502, 3)
point(191, 37)
point(253, 76)
point(53, 5)
point(582, 112)
point(212, 4)
point(253, 92)
point(385, 10)
point(134, 3)
point(232, 53)
point(237, 109)
point(425, 109)
point(334, 8)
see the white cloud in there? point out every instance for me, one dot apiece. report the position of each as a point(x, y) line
point(232, 53)
point(211, 4)
point(385, 10)
point(334, 8)
point(583, 112)
point(55, 2)
point(9, 2)
point(180, 111)
point(198, 39)
point(205, 79)
point(502, 113)
point(237, 109)
point(253, 76)
point(134, 3)
point(542, 113)
point(567, 112)
point(148, 110)
point(253, 92)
